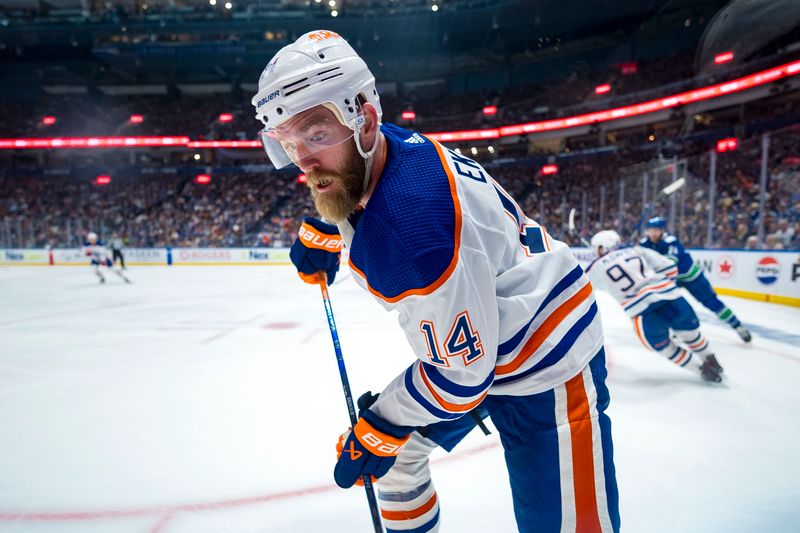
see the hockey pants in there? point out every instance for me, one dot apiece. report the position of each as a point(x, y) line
point(558, 452)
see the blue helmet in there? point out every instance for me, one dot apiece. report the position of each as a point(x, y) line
point(656, 222)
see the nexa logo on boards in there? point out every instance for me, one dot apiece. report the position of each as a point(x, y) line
point(14, 256)
point(795, 271)
point(271, 96)
point(256, 255)
point(767, 270)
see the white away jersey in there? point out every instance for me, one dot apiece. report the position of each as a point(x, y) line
point(490, 303)
point(636, 277)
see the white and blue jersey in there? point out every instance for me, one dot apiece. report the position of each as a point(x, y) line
point(636, 277)
point(490, 303)
point(97, 253)
point(669, 245)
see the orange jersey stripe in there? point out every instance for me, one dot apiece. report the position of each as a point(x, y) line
point(452, 407)
point(413, 513)
point(580, 427)
point(637, 325)
point(647, 289)
point(544, 331)
point(456, 242)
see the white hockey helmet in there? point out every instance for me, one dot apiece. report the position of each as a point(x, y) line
point(608, 239)
point(91, 236)
point(319, 68)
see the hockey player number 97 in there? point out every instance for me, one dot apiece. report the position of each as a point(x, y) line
point(620, 274)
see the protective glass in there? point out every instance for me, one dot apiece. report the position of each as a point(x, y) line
point(304, 140)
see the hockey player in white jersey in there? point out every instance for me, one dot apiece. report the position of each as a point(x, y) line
point(100, 256)
point(643, 282)
point(500, 315)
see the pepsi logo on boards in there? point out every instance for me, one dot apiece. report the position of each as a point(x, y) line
point(767, 270)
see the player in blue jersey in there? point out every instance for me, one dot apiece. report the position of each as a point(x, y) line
point(500, 315)
point(643, 282)
point(690, 276)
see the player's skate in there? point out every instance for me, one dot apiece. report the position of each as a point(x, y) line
point(711, 370)
point(743, 333)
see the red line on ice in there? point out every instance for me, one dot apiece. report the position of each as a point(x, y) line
point(167, 512)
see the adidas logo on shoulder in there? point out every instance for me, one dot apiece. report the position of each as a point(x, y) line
point(415, 139)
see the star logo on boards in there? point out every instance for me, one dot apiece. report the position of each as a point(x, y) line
point(726, 266)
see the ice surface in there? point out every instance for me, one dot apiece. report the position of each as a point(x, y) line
point(206, 399)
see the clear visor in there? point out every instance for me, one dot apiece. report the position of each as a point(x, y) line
point(304, 140)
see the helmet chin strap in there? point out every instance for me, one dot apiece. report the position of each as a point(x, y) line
point(367, 155)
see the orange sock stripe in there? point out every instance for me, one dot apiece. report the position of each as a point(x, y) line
point(413, 513)
point(452, 407)
point(681, 357)
point(698, 343)
point(378, 442)
point(580, 425)
point(544, 331)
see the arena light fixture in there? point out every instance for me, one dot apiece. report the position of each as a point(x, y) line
point(228, 5)
point(302, 178)
point(631, 67)
point(48, 121)
point(724, 57)
point(103, 179)
point(95, 142)
point(602, 89)
point(202, 179)
point(549, 170)
point(226, 117)
point(434, 8)
point(224, 144)
point(197, 157)
point(489, 110)
point(728, 144)
point(334, 13)
point(408, 115)
point(136, 119)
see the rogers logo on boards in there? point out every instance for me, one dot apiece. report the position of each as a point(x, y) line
point(204, 255)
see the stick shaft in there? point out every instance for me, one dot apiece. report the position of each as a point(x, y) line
point(373, 502)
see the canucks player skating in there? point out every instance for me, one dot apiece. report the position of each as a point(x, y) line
point(642, 281)
point(99, 256)
point(500, 315)
point(690, 276)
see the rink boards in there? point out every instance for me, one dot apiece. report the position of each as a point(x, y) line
point(765, 275)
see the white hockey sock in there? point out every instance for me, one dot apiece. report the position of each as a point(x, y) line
point(406, 494)
point(681, 356)
point(695, 341)
point(416, 509)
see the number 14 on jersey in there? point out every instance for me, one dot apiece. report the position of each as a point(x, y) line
point(462, 340)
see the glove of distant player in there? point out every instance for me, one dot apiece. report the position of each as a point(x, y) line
point(371, 448)
point(317, 248)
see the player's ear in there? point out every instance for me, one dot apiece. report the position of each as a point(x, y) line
point(370, 128)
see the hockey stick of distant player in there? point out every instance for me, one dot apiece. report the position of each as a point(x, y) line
point(373, 503)
point(666, 191)
point(574, 231)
